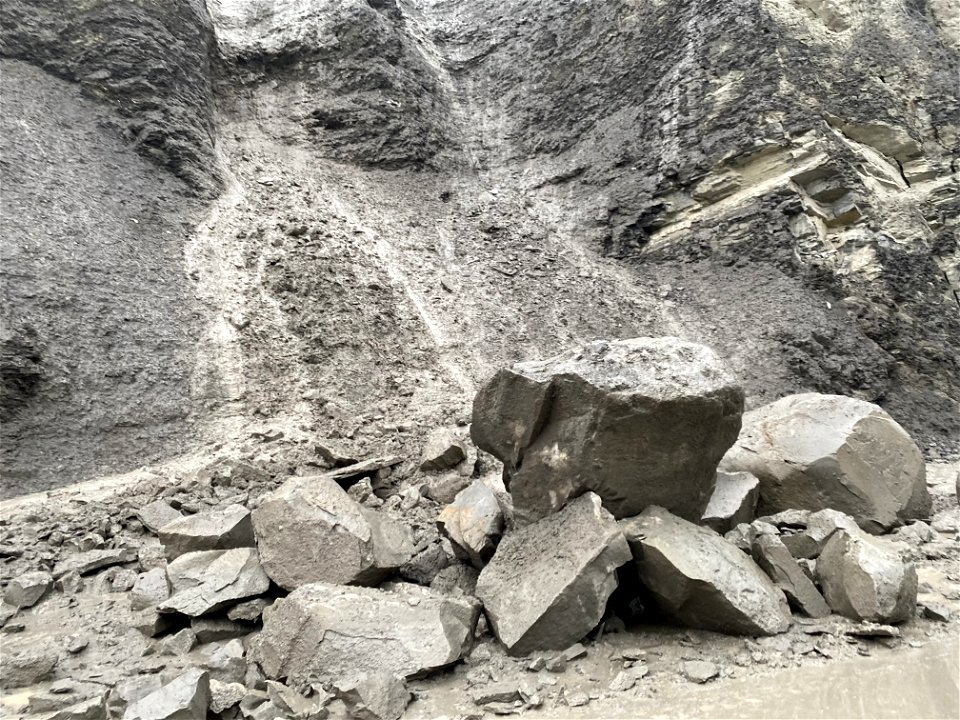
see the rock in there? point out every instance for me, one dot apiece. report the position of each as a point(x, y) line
point(26, 666)
point(700, 671)
point(474, 523)
point(226, 662)
point(248, 611)
point(76, 643)
point(917, 533)
point(224, 528)
point(310, 530)
point(775, 560)
point(373, 468)
point(157, 514)
point(150, 622)
point(734, 501)
point(548, 583)
point(445, 488)
point(150, 589)
point(179, 643)
point(292, 703)
point(215, 629)
point(213, 579)
point(933, 610)
point(87, 562)
point(374, 696)
point(94, 708)
point(331, 631)
point(863, 580)
point(702, 580)
point(456, 579)
point(129, 690)
point(498, 692)
point(628, 678)
point(7, 612)
point(27, 589)
point(186, 698)
point(442, 451)
point(224, 696)
point(809, 543)
point(814, 452)
point(606, 418)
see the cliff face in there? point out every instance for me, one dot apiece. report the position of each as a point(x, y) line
point(406, 195)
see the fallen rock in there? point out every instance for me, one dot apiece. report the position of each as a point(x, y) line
point(863, 580)
point(224, 528)
point(498, 692)
point(186, 698)
point(86, 562)
point(291, 703)
point(249, 610)
point(332, 631)
point(150, 622)
point(20, 667)
point(775, 560)
point(180, 643)
point(374, 696)
point(606, 418)
point(157, 514)
point(27, 589)
point(734, 501)
point(548, 583)
point(700, 671)
point(820, 526)
point(474, 523)
point(814, 452)
point(224, 696)
point(129, 690)
point(226, 662)
point(456, 579)
point(309, 530)
point(212, 579)
point(150, 589)
point(443, 450)
point(702, 580)
point(214, 629)
point(94, 708)
point(445, 487)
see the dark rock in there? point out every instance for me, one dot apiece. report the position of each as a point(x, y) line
point(775, 560)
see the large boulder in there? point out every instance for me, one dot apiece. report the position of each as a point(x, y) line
point(639, 422)
point(209, 580)
point(223, 528)
point(702, 580)
point(473, 523)
point(310, 530)
point(864, 580)
point(334, 631)
point(548, 583)
point(814, 452)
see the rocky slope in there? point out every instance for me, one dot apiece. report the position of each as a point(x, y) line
point(344, 215)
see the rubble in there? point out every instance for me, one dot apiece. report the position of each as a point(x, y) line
point(474, 523)
point(224, 528)
point(27, 589)
point(548, 583)
point(442, 451)
point(374, 696)
point(209, 580)
point(820, 526)
point(332, 631)
point(734, 501)
point(702, 580)
point(309, 530)
point(775, 560)
point(21, 666)
point(86, 562)
point(814, 452)
point(157, 514)
point(185, 698)
point(224, 696)
point(605, 418)
point(150, 589)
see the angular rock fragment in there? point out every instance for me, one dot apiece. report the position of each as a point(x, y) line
point(310, 530)
point(374, 696)
point(639, 422)
point(548, 583)
point(27, 589)
point(157, 514)
point(333, 631)
point(94, 708)
point(212, 579)
point(734, 501)
point(776, 561)
point(150, 622)
point(248, 611)
point(814, 452)
point(700, 671)
point(224, 696)
point(474, 523)
point(186, 698)
point(130, 690)
point(291, 703)
point(179, 643)
point(20, 667)
point(224, 528)
point(702, 580)
point(150, 589)
point(443, 450)
point(87, 562)
point(213, 629)
point(809, 542)
point(226, 662)
point(863, 580)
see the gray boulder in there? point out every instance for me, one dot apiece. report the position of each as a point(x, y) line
point(776, 561)
point(334, 631)
point(702, 580)
point(310, 530)
point(864, 580)
point(639, 422)
point(186, 698)
point(150, 589)
point(474, 523)
point(443, 450)
point(86, 562)
point(27, 589)
point(224, 528)
point(374, 696)
point(734, 501)
point(22, 666)
point(548, 583)
point(814, 452)
point(809, 542)
point(157, 514)
point(213, 579)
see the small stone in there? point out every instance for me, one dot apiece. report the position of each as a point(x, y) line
point(933, 610)
point(215, 629)
point(150, 622)
point(150, 590)
point(734, 501)
point(27, 589)
point(157, 514)
point(74, 644)
point(375, 696)
point(577, 699)
point(179, 643)
point(504, 692)
point(700, 671)
point(224, 696)
point(87, 562)
point(249, 611)
point(186, 698)
point(443, 450)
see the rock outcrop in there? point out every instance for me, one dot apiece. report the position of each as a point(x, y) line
point(814, 452)
point(638, 422)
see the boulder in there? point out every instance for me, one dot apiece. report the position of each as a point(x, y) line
point(86, 562)
point(249, 610)
point(20, 667)
point(374, 696)
point(26, 590)
point(224, 528)
point(150, 589)
point(186, 698)
point(863, 580)
point(548, 583)
point(157, 514)
point(700, 579)
point(474, 523)
point(734, 501)
point(212, 579)
point(309, 530)
point(224, 696)
point(638, 422)
point(780, 566)
point(809, 542)
point(334, 631)
point(813, 452)
point(443, 450)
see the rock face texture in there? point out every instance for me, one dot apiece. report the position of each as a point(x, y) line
point(701, 579)
point(548, 583)
point(638, 422)
point(815, 452)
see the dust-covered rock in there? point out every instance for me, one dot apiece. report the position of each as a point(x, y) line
point(223, 528)
point(775, 560)
point(209, 580)
point(473, 522)
point(150, 589)
point(374, 696)
point(442, 451)
point(22, 666)
point(26, 590)
point(734, 501)
point(185, 698)
point(157, 514)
